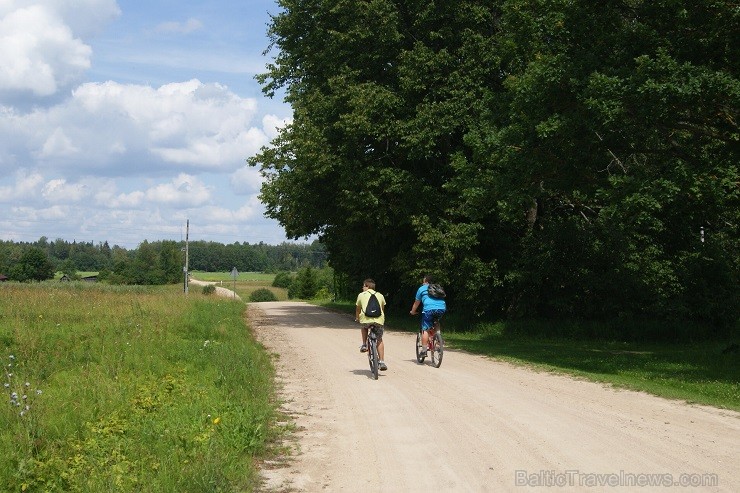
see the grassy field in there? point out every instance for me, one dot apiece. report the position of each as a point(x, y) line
point(265, 279)
point(144, 389)
point(703, 373)
point(130, 389)
point(245, 284)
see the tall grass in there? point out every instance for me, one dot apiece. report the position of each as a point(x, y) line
point(141, 389)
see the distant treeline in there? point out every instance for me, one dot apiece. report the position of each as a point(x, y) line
point(156, 262)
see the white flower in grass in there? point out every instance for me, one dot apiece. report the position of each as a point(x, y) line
point(38, 392)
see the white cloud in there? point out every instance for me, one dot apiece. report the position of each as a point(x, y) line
point(200, 125)
point(41, 52)
point(58, 144)
point(185, 191)
point(246, 180)
point(30, 214)
point(85, 17)
point(26, 185)
point(271, 124)
point(119, 128)
point(58, 190)
point(118, 161)
point(132, 200)
point(233, 217)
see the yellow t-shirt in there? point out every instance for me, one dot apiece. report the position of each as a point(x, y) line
point(362, 300)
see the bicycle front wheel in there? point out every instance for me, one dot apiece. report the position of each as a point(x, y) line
point(438, 350)
point(419, 356)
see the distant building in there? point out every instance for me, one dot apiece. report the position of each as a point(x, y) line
point(64, 278)
point(90, 278)
point(3, 278)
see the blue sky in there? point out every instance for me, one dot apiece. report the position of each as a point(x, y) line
point(120, 120)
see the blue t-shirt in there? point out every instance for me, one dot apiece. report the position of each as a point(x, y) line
point(427, 302)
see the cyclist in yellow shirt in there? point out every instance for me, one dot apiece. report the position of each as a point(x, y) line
point(368, 288)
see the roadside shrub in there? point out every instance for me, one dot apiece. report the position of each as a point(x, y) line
point(209, 289)
point(323, 294)
point(282, 280)
point(262, 294)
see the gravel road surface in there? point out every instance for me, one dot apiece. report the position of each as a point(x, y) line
point(475, 424)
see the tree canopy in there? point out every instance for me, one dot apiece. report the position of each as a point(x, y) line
point(543, 158)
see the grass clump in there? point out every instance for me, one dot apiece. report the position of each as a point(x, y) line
point(142, 389)
point(209, 289)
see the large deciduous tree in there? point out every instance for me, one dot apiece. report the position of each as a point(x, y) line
point(34, 265)
point(544, 158)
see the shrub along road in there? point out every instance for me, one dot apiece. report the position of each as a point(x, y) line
point(475, 424)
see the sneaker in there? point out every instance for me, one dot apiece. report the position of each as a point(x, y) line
point(382, 366)
point(363, 348)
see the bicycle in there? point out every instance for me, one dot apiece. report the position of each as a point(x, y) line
point(435, 344)
point(372, 349)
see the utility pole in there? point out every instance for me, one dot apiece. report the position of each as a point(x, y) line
point(185, 269)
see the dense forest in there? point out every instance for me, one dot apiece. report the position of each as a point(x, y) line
point(555, 160)
point(158, 262)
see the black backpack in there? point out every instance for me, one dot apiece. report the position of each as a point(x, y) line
point(436, 291)
point(372, 310)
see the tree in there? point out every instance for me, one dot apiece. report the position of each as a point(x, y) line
point(34, 265)
point(544, 159)
point(380, 97)
point(69, 268)
point(305, 285)
point(282, 279)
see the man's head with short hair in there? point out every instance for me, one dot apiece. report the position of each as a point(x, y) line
point(429, 279)
point(369, 284)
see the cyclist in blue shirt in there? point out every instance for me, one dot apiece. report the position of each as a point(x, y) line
point(431, 307)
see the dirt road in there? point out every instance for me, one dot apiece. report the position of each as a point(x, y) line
point(474, 424)
point(220, 291)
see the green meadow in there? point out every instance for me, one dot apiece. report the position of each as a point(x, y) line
point(244, 284)
point(130, 389)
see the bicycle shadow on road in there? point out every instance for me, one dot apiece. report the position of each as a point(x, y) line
point(366, 373)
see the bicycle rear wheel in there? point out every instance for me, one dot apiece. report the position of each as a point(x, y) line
point(438, 350)
point(372, 354)
point(419, 356)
